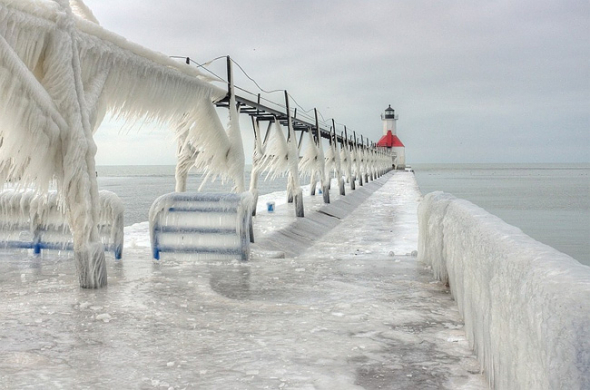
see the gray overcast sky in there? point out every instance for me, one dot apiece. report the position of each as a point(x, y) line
point(471, 81)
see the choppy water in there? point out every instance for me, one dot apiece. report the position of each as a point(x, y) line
point(549, 202)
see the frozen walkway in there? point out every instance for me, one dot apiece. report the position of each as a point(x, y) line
point(345, 313)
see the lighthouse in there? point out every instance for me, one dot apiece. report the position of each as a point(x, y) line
point(390, 141)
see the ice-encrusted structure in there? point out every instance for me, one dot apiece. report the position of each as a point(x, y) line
point(211, 226)
point(30, 220)
point(294, 190)
point(60, 72)
point(281, 157)
point(275, 162)
point(346, 160)
point(358, 163)
point(333, 163)
point(310, 164)
point(214, 151)
point(526, 306)
point(257, 163)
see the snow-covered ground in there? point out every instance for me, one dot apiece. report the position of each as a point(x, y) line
point(347, 307)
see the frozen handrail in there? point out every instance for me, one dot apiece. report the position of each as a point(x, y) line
point(37, 221)
point(203, 224)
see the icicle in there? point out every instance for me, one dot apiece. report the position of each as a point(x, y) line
point(293, 186)
point(338, 166)
point(309, 163)
point(322, 171)
point(276, 156)
point(257, 163)
point(59, 74)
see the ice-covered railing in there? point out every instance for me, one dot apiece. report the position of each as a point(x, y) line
point(204, 225)
point(29, 220)
point(526, 306)
point(59, 73)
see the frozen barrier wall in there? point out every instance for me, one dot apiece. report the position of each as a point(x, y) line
point(526, 305)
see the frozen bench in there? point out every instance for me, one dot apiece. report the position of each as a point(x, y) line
point(36, 221)
point(207, 225)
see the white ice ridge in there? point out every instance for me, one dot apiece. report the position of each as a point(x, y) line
point(59, 73)
point(526, 306)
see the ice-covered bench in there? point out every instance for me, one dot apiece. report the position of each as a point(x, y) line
point(207, 225)
point(36, 221)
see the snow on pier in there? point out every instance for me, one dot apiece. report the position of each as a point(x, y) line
point(353, 310)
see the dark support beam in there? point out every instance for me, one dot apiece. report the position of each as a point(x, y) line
point(267, 133)
point(300, 140)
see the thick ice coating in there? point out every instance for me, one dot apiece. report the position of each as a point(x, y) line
point(526, 306)
point(59, 73)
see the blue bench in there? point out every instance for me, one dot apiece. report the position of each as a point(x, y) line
point(208, 225)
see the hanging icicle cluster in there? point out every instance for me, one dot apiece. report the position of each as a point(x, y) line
point(60, 72)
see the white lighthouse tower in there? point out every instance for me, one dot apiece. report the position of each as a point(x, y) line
point(390, 141)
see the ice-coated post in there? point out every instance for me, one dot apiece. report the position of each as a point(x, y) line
point(295, 191)
point(364, 154)
point(348, 150)
point(359, 159)
point(313, 180)
point(321, 157)
point(80, 188)
point(337, 160)
point(256, 160)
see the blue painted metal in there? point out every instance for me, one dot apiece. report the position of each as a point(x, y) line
point(193, 205)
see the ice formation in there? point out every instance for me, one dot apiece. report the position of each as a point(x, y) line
point(275, 162)
point(312, 164)
point(294, 190)
point(31, 220)
point(338, 165)
point(222, 221)
point(358, 163)
point(59, 73)
point(347, 162)
point(332, 160)
point(257, 163)
point(322, 171)
point(526, 306)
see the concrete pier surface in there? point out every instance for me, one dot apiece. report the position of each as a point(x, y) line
point(336, 300)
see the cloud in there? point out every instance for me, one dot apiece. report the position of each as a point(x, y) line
point(461, 75)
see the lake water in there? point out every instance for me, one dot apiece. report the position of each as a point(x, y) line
point(549, 202)
point(139, 186)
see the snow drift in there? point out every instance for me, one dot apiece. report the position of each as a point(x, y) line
point(526, 306)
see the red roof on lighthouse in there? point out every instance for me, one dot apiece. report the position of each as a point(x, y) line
point(389, 141)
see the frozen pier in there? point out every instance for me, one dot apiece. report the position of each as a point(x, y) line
point(352, 310)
